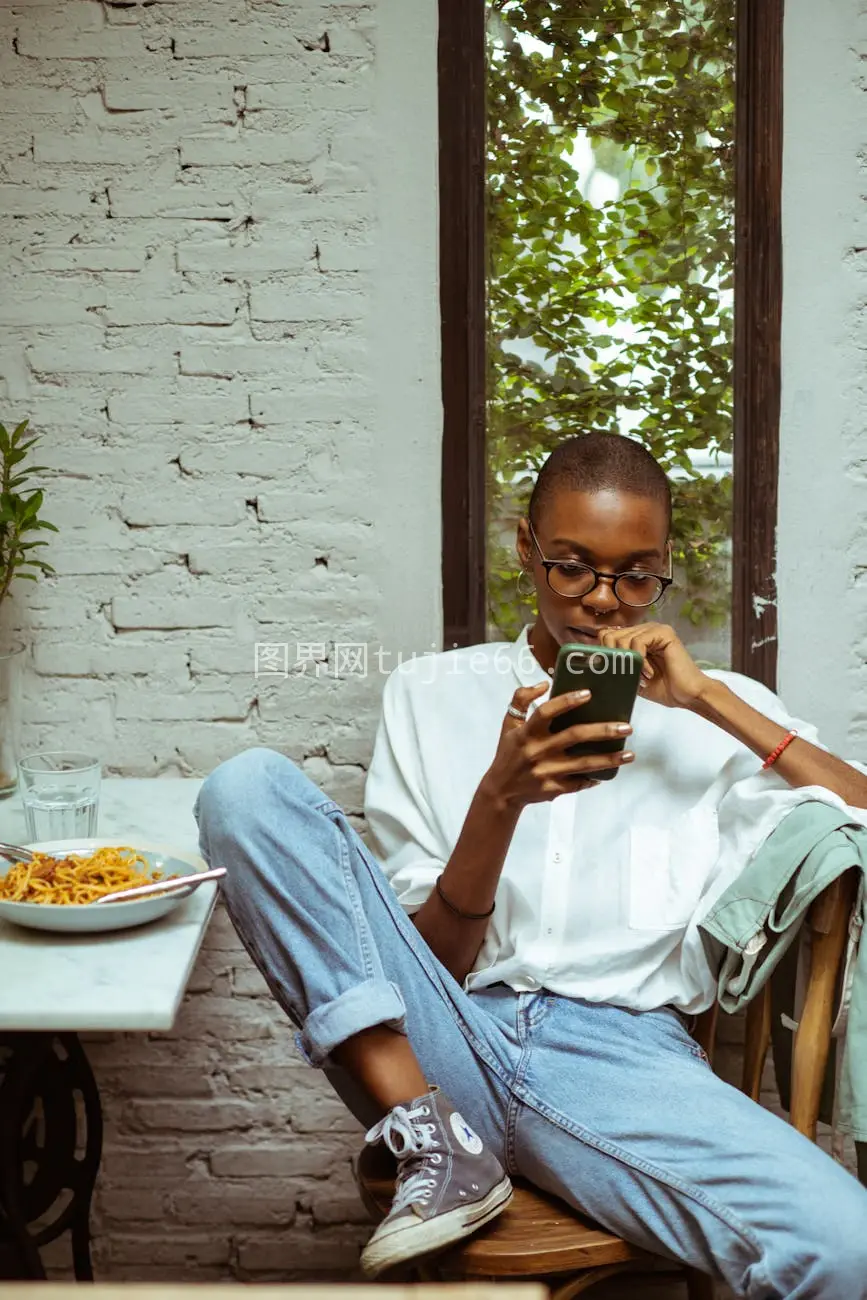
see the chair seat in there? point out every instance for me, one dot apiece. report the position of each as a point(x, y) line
point(536, 1234)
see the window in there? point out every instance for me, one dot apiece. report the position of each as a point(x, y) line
point(695, 44)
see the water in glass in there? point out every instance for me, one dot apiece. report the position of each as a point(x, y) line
point(60, 813)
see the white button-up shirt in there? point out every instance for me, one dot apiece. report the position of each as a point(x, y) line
point(599, 887)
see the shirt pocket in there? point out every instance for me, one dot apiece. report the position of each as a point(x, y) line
point(668, 869)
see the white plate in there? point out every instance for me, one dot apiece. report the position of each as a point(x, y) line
point(94, 918)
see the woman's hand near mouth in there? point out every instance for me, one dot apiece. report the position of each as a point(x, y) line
point(670, 675)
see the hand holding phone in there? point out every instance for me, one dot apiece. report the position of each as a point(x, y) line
point(558, 748)
point(612, 677)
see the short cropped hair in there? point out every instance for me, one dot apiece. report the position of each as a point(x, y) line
point(594, 462)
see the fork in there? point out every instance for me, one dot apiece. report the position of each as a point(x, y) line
point(15, 853)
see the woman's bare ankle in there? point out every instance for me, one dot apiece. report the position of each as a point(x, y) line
point(383, 1063)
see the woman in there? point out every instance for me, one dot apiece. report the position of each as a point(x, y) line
point(522, 941)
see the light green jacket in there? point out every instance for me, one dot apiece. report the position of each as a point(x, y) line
point(751, 925)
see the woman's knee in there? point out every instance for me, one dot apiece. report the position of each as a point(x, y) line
point(239, 795)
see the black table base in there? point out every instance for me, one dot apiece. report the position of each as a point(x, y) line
point(50, 1148)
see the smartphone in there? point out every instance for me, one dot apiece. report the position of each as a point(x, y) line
point(612, 677)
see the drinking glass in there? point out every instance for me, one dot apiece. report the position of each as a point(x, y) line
point(11, 663)
point(60, 793)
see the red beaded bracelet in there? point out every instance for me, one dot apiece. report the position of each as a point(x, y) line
point(775, 753)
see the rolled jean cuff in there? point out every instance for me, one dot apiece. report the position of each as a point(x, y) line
point(374, 1003)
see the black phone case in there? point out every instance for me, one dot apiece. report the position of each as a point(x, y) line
point(612, 677)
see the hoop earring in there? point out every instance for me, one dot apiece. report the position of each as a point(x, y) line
point(519, 592)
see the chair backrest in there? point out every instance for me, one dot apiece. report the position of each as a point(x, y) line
point(828, 921)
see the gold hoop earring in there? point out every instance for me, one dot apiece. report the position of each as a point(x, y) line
point(521, 593)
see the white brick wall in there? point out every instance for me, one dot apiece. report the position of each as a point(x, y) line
point(197, 300)
point(822, 537)
point(218, 305)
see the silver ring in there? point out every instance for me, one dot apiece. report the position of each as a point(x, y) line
point(516, 713)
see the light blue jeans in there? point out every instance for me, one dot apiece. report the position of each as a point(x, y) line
point(615, 1111)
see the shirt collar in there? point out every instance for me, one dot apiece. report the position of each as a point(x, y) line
point(528, 670)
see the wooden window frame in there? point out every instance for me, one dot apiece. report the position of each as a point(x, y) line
point(463, 298)
point(758, 329)
point(758, 320)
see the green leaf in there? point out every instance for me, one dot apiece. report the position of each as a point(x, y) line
point(20, 505)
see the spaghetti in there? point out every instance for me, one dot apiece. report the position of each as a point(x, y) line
point(76, 880)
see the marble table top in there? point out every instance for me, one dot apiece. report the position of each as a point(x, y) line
point(126, 980)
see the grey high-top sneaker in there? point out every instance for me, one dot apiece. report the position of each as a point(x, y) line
point(447, 1184)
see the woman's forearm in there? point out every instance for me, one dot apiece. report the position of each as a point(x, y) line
point(469, 881)
point(800, 762)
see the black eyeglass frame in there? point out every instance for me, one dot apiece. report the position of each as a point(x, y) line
point(598, 574)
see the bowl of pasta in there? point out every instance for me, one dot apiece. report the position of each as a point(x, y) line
point(61, 888)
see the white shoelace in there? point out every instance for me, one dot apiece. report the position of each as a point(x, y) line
point(411, 1141)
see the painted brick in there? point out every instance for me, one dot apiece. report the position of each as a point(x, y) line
point(152, 702)
point(239, 40)
point(276, 1160)
point(275, 506)
point(86, 257)
point(224, 405)
point(46, 200)
point(226, 360)
point(248, 983)
point(70, 560)
point(219, 654)
point(190, 1116)
point(75, 356)
point(290, 204)
point(202, 746)
point(188, 1251)
point(262, 1204)
point(82, 659)
point(92, 147)
point(79, 16)
point(137, 94)
point(186, 504)
point(311, 299)
point(58, 44)
point(352, 91)
point(329, 1251)
point(338, 1206)
point(174, 1080)
point(219, 306)
point(321, 1114)
point(323, 401)
point(185, 201)
point(264, 459)
point(261, 258)
point(129, 613)
point(48, 300)
point(252, 149)
point(15, 372)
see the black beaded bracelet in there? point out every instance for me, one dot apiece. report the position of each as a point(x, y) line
point(465, 916)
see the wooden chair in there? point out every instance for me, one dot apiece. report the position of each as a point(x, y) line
point(540, 1238)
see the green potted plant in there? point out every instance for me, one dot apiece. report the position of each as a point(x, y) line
point(20, 522)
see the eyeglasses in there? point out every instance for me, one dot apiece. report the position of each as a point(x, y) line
point(572, 579)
